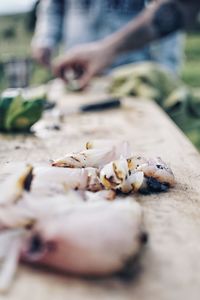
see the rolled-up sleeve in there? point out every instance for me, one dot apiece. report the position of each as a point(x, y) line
point(49, 25)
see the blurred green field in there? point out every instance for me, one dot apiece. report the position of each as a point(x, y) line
point(191, 74)
point(15, 37)
point(191, 68)
point(17, 45)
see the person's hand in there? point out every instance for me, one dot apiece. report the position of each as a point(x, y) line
point(85, 61)
point(42, 56)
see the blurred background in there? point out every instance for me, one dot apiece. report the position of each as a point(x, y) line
point(17, 24)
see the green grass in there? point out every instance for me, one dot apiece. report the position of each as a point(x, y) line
point(191, 75)
point(19, 46)
point(191, 68)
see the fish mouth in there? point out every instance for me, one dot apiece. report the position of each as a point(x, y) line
point(152, 185)
point(36, 248)
point(132, 266)
point(28, 180)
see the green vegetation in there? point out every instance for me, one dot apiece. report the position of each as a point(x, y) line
point(18, 114)
point(18, 44)
point(15, 37)
point(191, 68)
point(191, 76)
point(15, 42)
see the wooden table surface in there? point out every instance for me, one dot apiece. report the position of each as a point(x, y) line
point(170, 264)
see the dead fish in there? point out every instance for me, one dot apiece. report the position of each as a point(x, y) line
point(107, 195)
point(33, 207)
point(94, 183)
point(97, 154)
point(158, 176)
point(117, 176)
point(11, 242)
point(51, 181)
point(137, 174)
point(120, 148)
point(16, 216)
point(14, 186)
point(97, 239)
point(89, 158)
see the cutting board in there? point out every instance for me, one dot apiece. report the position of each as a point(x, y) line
point(170, 264)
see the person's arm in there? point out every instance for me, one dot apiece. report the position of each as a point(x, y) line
point(159, 20)
point(48, 30)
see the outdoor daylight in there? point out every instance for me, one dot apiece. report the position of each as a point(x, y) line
point(99, 149)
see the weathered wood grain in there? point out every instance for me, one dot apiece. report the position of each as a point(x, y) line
point(170, 264)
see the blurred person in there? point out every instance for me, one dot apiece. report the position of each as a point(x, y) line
point(158, 21)
point(85, 27)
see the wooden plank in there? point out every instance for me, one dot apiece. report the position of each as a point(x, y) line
point(170, 265)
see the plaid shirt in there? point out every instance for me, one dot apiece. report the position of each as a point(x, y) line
point(81, 21)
